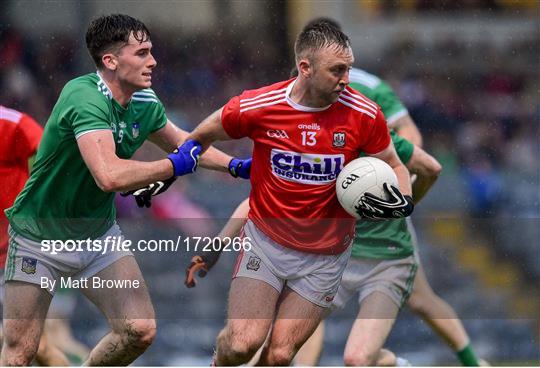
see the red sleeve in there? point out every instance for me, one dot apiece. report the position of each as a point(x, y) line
point(235, 123)
point(28, 136)
point(379, 137)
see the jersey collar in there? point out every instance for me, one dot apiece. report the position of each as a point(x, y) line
point(297, 106)
point(102, 87)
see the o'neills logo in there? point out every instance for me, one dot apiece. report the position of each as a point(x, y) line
point(306, 168)
point(312, 126)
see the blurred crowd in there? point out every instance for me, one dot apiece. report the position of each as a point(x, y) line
point(477, 105)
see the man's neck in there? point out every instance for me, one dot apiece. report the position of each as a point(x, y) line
point(302, 94)
point(120, 93)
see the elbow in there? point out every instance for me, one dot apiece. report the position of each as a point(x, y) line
point(107, 184)
point(434, 169)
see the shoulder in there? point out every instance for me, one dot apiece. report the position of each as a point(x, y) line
point(145, 96)
point(363, 78)
point(357, 103)
point(267, 91)
point(266, 96)
point(10, 116)
point(85, 89)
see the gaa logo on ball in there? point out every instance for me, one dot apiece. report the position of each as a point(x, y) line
point(365, 174)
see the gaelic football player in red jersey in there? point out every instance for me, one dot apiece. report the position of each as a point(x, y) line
point(19, 140)
point(304, 131)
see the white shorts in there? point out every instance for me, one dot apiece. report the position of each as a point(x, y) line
point(394, 278)
point(28, 263)
point(315, 277)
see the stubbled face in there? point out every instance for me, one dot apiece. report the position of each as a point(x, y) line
point(330, 72)
point(135, 64)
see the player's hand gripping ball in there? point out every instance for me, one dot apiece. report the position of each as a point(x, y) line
point(367, 188)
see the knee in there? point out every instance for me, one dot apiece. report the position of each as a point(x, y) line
point(360, 359)
point(15, 352)
point(238, 346)
point(281, 356)
point(138, 333)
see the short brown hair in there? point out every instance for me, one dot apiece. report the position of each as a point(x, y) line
point(317, 35)
point(112, 31)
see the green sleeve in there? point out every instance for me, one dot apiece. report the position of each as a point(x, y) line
point(389, 102)
point(404, 148)
point(159, 117)
point(382, 94)
point(153, 115)
point(84, 110)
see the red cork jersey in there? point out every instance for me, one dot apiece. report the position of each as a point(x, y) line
point(19, 139)
point(298, 153)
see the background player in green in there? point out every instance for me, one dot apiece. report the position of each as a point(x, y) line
point(98, 122)
point(383, 261)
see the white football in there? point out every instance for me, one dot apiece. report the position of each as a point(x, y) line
point(364, 174)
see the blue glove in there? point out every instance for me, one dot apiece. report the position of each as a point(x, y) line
point(185, 158)
point(240, 168)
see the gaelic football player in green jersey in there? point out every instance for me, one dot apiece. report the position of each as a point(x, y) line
point(98, 122)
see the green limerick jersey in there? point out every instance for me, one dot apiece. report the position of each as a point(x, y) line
point(386, 239)
point(61, 200)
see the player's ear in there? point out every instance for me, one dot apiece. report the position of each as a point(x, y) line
point(109, 61)
point(305, 68)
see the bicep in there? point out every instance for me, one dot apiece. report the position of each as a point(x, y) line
point(211, 129)
point(97, 150)
point(406, 128)
point(389, 155)
point(169, 137)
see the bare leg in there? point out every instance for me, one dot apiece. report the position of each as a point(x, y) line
point(310, 353)
point(297, 318)
point(251, 309)
point(369, 332)
point(386, 359)
point(437, 313)
point(129, 312)
point(58, 330)
point(238, 219)
point(25, 309)
point(48, 354)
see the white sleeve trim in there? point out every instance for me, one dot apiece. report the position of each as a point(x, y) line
point(89, 131)
point(398, 115)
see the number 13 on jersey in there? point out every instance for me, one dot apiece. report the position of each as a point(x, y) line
point(308, 138)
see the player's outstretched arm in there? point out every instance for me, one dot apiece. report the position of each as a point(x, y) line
point(112, 173)
point(406, 128)
point(390, 156)
point(202, 263)
point(209, 131)
point(427, 170)
point(170, 137)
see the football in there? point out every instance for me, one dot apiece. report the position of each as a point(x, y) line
point(364, 174)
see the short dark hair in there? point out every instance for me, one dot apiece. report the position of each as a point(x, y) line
point(318, 34)
point(329, 21)
point(108, 32)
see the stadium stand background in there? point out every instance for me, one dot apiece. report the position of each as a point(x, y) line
point(467, 71)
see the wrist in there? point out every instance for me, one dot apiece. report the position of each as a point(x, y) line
point(232, 167)
point(170, 168)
